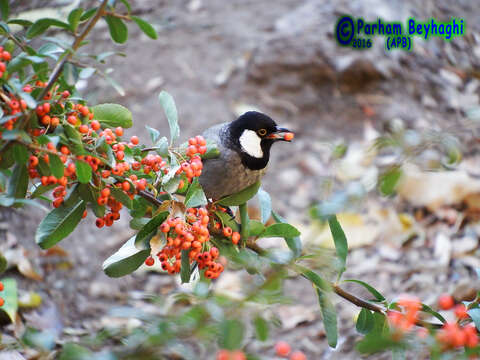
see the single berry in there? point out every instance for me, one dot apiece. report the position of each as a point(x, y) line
point(288, 136)
point(134, 140)
point(95, 125)
point(282, 348)
point(298, 355)
point(446, 302)
point(149, 261)
point(460, 311)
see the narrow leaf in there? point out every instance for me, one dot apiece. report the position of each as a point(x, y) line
point(195, 195)
point(261, 328)
point(329, 315)
point(126, 260)
point(241, 197)
point(5, 9)
point(475, 315)
point(149, 230)
point(18, 183)
point(280, 230)
point(294, 243)
point(146, 27)
point(74, 18)
point(118, 29)
point(120, 195)
point(379, 297)
point(168, 104)
point(58, 224)
point(265, 204)
point(340, 241)
point(20, 153)
point(112, 115)
point(56, 165)
point(365, 321)
point(84, 171)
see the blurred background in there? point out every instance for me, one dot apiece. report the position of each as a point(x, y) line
point(389, 140)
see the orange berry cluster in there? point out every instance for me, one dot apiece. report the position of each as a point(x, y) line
point(190, 234)
point(453, 334)
point(231, 355)
point(2, 301)
point(5, 56)
point(196, 145)
point(115, 206)
point(405, 320)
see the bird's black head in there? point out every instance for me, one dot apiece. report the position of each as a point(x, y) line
point(252, 135)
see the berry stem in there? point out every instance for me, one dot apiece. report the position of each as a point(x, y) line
point(76, 44)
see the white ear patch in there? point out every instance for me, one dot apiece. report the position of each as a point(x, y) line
point(250, 143)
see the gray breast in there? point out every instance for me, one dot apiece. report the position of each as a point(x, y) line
point(226, 174)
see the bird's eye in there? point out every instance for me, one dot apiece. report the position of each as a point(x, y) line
point(262, 132)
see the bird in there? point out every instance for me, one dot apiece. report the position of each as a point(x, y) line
point(244, 145)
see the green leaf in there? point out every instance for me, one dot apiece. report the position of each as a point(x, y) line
point(379, 297)
point(294, 243)
point(340, 240)
point(364, 321)
point(112, 115)
point(58, 224)
point(195, 195)
point(120, 195)
point(329, 315)
point(227, 220)
point(185, 269)
point(168, 104)
point(126, 260)
point(255, 228)
point(74, 18)
point(72, 351)
point(5, 9)
point(9, 294)
point(75, 139)
point(161, 147)
point(261, 328)
point(56, 165)
point(241, 197)
point(231, 334)
point(379, 337)
point(475, 315)
point(314, 278)
point(154, 134)
point(18, 183)
point(40, 26)
point(149, 230)
point(3, 263)
point(280, 230)
point(429, 310)
point(118, 29)
point(70, 73)
point(20, 153)
point(21, 22)
point(147, 28)
point(84, 171)
point(389, 181)
point(88, 14)
point(265, 204)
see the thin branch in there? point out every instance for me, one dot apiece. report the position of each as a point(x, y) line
point(76, 44)
point(125, 17)
point(356, 300)
point(150, 197)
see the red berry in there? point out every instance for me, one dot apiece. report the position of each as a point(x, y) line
point(105, 192)
point(288, 136)
point(298, 355)
point(164, 227)
point(120, 155)
point(461, 311)
point(223, 355)
point(134, 140)
point(65, 94)
point(126, 186)
point(95, 125)
point(282, 348)
point(119, 131)
point(149, 261)
point(1, 286)
point(2, 301)
point(235, 237)
point(83, 129)
point(446, 302)
point(99, 222)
